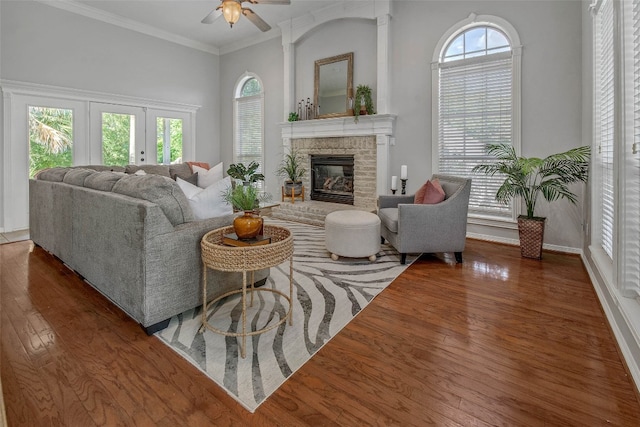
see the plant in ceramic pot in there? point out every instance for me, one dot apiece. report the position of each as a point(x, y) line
point(363, 102)
point(292, 168)
point(246, 174)
point(528, 178)
point(246, 198)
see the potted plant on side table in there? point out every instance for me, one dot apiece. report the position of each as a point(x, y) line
point(528, 178)
point(246, 198)
point(292, 169)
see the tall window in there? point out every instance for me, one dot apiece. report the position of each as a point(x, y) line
point(248, 141)
point(50, 138)
point(476, 93)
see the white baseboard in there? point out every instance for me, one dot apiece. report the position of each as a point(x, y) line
point(621, 314)
point(516, 242)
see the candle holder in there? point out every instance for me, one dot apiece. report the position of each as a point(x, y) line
point(393, 191)
point(404, 186)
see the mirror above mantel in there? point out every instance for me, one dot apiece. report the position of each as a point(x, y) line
point(333, 86)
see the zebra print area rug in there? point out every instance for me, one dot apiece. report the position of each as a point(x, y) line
point(327, 296)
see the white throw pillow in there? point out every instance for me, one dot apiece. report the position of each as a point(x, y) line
point(208, 202)
point(208, 177)
point(139, 172)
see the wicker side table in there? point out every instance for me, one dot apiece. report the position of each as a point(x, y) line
point(245, 259)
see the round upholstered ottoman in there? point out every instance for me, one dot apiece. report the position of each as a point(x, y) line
point(352, 234)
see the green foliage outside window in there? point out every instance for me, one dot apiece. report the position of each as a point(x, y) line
point(50, 138)
point(175, 132)
point(116, 138)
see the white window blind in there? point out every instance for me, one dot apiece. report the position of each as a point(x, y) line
point(475, 109)
point(248, 140)
point(631, 233)
point(605, 120)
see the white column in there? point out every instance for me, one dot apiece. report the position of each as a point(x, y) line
point(383, 179)
point(289, 78)
point(384, 60)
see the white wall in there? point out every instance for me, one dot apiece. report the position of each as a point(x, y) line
point(550, 32)
point(47, 45)
point(335, 38)
point(266, 60)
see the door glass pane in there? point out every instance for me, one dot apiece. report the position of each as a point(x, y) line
point(50, 138)
point(118, 139)
point(169, 133)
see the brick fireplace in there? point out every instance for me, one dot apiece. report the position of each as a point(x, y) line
point(368, 141)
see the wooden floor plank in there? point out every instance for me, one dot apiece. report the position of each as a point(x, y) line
point(497, 340)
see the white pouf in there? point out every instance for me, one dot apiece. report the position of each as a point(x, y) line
point(352, 233)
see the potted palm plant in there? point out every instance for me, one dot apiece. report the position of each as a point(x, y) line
point(292, 169)
point(528, 178)
point(246, 198)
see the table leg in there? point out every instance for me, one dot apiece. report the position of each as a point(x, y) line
point(204, 298)
point(291, 290)
point(243, 349)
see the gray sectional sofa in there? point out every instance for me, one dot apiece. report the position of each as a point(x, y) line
point(132, 237)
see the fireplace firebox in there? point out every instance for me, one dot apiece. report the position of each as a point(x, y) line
point(332, 178)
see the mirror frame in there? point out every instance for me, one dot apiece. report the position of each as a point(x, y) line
point(348, 109)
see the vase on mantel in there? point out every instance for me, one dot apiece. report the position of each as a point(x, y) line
point(248, 225)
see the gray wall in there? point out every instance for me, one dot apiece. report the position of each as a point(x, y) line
point(47, 45)
point(265, 60)
point(551, 86)
point(42, 44)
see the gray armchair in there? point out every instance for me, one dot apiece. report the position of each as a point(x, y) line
point(418, 228)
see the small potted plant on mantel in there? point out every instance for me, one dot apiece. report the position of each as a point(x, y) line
point(292, 169)
point(528, 178)
point(363, 103)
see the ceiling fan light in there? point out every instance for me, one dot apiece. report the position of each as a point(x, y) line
point(231, 10)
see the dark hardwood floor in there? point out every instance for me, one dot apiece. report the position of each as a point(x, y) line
point(498, 340)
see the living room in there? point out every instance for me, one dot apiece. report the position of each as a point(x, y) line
point(53, 48)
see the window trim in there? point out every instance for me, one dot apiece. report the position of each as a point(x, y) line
point(505, 27)
point(237, 89)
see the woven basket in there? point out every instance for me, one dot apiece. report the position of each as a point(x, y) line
point(246, 258)
point(531, 231)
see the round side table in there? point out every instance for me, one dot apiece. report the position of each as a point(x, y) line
point(245, 259)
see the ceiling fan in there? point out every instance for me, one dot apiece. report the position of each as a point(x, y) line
point(232, 9)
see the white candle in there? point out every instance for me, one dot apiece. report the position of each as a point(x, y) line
point(394, 182)
point(403, 172)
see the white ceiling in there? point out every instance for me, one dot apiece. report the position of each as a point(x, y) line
point(179, 21)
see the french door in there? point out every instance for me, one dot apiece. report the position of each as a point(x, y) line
point(118, 135)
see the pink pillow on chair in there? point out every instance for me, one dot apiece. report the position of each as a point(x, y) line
point(430, 193)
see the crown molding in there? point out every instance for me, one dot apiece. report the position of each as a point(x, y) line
point(111, 18)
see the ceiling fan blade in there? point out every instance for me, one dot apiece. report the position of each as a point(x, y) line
point(256, 20)
point(215, 14)
point(269, 1)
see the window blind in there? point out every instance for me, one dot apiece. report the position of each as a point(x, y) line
point(475, 109)
point(605, 120)
point(248, 132)
point(631, 232)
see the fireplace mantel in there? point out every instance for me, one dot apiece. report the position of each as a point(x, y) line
point(376, 124)
point(381, 126)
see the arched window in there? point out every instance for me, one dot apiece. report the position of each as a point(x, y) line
point(248, 123)
point(477, 89)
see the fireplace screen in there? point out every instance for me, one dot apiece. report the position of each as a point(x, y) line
point(332, 179)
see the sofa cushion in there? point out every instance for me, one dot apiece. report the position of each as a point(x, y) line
point(180, 169)
point(389, 218)
point(160, 190)
point(52, 174)
point(162, 170)
point(104, 168)
point(431, 192)
point(208, 202)
point(102, 181)
point(208, 177)
point(76, 176)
